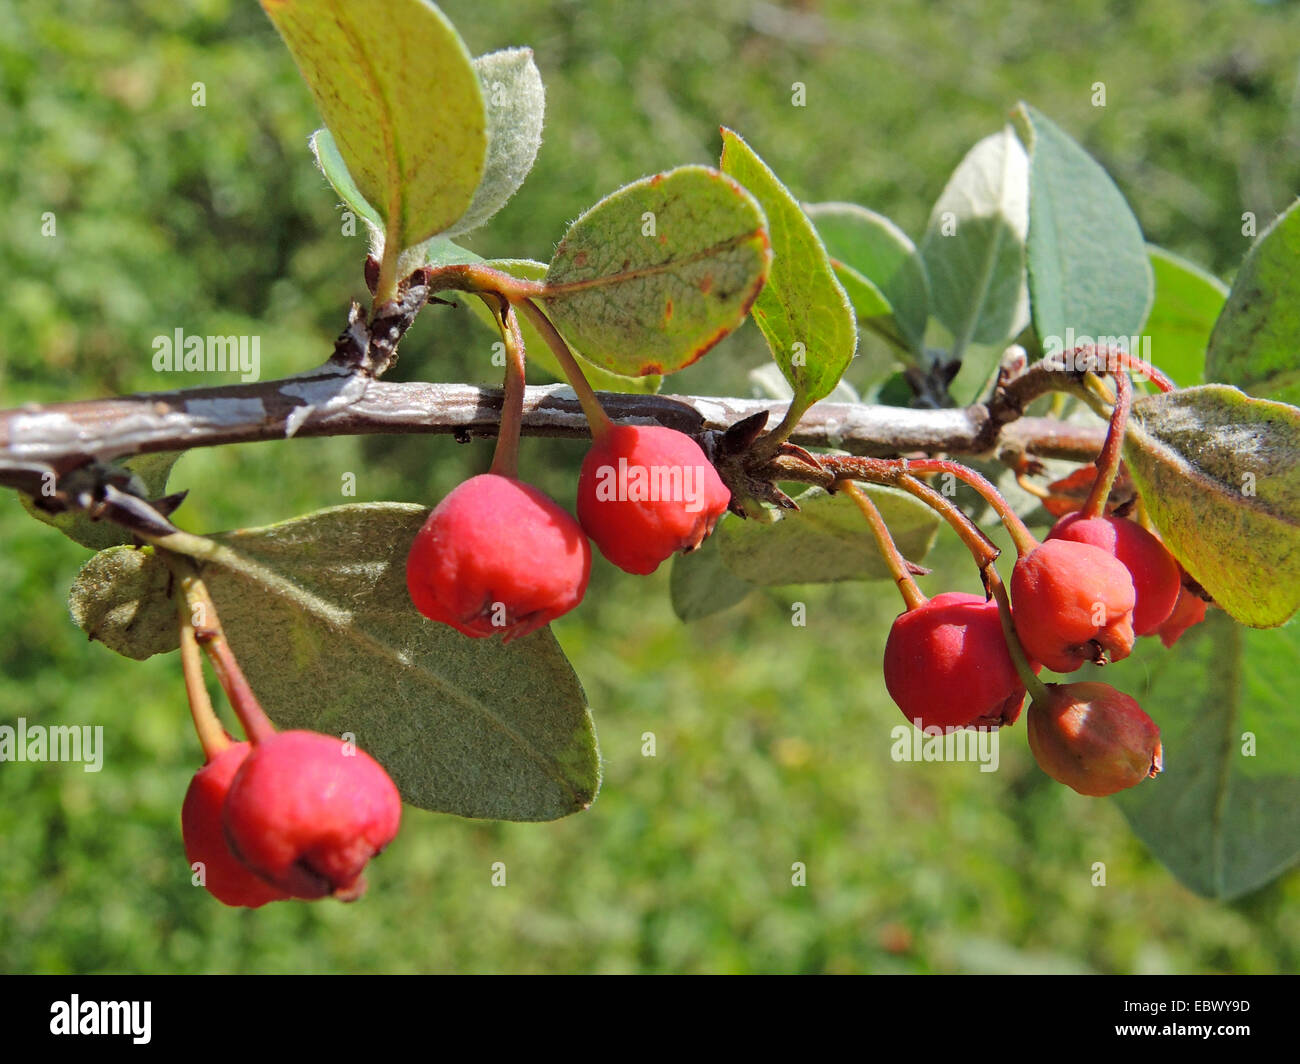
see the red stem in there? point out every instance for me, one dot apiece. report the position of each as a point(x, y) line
point(1112, 451)
point(895, 472)
point(599, 421)
point(1023, 539)
point(206, 626)
point(505, 459)
point(981, 547)
point(912, 594)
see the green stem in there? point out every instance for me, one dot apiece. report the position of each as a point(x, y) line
point(771, 442)
point(1143, 517)
point(212, 736)
point(599, 421)
point(913, 597)
point(386, 285)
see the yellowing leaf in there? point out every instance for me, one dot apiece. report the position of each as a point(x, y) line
point(399, 93)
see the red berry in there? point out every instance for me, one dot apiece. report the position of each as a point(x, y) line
point(947, 664)
point(497, 555)
point(1073, 602)
point(646, 492)
point(307, 811)
point(1093, 738)
point(1155, 573)
point(225, 877)
point(1189, 610)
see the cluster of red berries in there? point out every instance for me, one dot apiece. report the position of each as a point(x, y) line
point(295, 815)
point(497, 555)
point(1083, 595)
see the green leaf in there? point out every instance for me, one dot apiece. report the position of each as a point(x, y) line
point(441, 251)
point(974, 245)
point(869, 304)
point(769, 383)
point(336, 173)
point(974, 254)
point(317, 611)
point(399, 93)
point(1182, 317)
point(701, 585)
point(153, 471)
point(516, 103)
point(149, 473)
point(1256, 341)
point(121, 599)
point(655, 274)
point(1221, 816)
point(1089, 276)
point(825, 540)
point(1219, 473)
point(538, 351)
point(872, 255)
point(803, 312)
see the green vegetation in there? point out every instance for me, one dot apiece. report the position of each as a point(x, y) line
point(772, 741)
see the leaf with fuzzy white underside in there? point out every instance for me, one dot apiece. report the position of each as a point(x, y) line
point(516, 103)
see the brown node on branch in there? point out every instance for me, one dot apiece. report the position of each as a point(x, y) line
point(105, 492)
point(370, 346)
point(750, 475)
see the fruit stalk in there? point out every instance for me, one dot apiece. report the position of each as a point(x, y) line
point(913, 597)
point(596, 416)
point(980, 546)
point(894, 472)
point(208, 634)
point(1036, 688)
point(1112, 450)
point(505, 459)
point(212, 736)
point(1023, 539)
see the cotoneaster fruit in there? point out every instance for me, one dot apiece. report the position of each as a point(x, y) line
point(646, 492)
point(497, 556)
point(307, 811)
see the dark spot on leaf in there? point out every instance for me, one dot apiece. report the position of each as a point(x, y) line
point(668, 311)
point(649, 368)
point(657, 179)
point(580, 259)
point(706, 283)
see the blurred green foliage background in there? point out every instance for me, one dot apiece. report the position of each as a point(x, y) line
point(772, 740)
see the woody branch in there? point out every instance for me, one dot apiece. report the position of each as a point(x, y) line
point(63, 436)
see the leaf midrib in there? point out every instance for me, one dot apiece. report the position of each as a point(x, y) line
point(395, 221)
